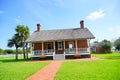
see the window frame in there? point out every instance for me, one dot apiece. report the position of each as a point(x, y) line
point(50, 45)
point(72, 44)
point(60, 45)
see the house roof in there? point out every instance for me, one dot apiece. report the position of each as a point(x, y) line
point(99, 44)
point(60, 34)
point(94, 44)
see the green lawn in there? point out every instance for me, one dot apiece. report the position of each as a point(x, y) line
point(108, 69)
point(90, 70)
point(107, 55)
point(18, 70)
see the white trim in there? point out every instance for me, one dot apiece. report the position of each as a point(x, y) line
point(40, 55)
point(71, 42)
point(64, 44)
point(42, 47)
point(64, 49)
point(88, 42)
point(54, 49)
point(31, 51)
point(76, 46)
point(59, 45)
point(79, 53)
point(54, 45)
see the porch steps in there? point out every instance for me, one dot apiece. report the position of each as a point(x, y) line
point(59, 57)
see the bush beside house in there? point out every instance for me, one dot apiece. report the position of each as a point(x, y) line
point(101, 47)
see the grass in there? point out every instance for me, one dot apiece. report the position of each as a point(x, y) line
point(18, 70)
point(89, 70)
point(107, 55)
point(108, 69)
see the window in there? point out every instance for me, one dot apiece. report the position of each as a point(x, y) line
point(71, 45)
point(59, 45)
point(49, 46)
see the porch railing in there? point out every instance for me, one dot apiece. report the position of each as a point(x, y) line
point(44, 52)
point(67, 51)
point(78, 50)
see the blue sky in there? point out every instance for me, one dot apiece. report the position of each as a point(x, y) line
point(101, 17)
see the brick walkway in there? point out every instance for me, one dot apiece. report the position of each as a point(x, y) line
point(49, 72)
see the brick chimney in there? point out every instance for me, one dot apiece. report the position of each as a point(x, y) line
point(38, 27)
point(81, 24)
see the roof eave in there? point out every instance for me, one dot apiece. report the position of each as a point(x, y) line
point(58, 40)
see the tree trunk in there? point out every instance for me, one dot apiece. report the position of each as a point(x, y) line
point(16, 55)
point(23, 48)
point(26, 51)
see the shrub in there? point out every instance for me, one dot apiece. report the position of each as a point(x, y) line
point(9, 51)
point(1, 51)
point(106, 46)
point(117, 44)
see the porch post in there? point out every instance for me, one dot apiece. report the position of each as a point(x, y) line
point(64, 45)
point(42, 47)
point(64, 49)
point(88, 42)
point(31, 49)
point(54, 45)
point(76, 46)
point(54, 49)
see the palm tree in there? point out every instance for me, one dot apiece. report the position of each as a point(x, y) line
point(15, 41)
point(27, 34)
point(23, 32)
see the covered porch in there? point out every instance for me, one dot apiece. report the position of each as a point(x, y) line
point(63, 49)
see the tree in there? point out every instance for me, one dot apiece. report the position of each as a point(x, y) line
point(95, 42)
point(9, 51)
point(23, 32)
point(117, 44)
point(106, 46)
point(27, 34)
point(15, 41)
point(1, 51)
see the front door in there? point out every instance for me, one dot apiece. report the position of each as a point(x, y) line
point(59, 47)
point(49, 46)
point(71, 45)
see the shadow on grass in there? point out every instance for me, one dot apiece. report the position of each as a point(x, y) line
point(13, 60)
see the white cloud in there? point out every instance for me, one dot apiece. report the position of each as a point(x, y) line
point(57, 3)
point(18, 19)
point(1, 11)
point(96, 15)
point(114, 31)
